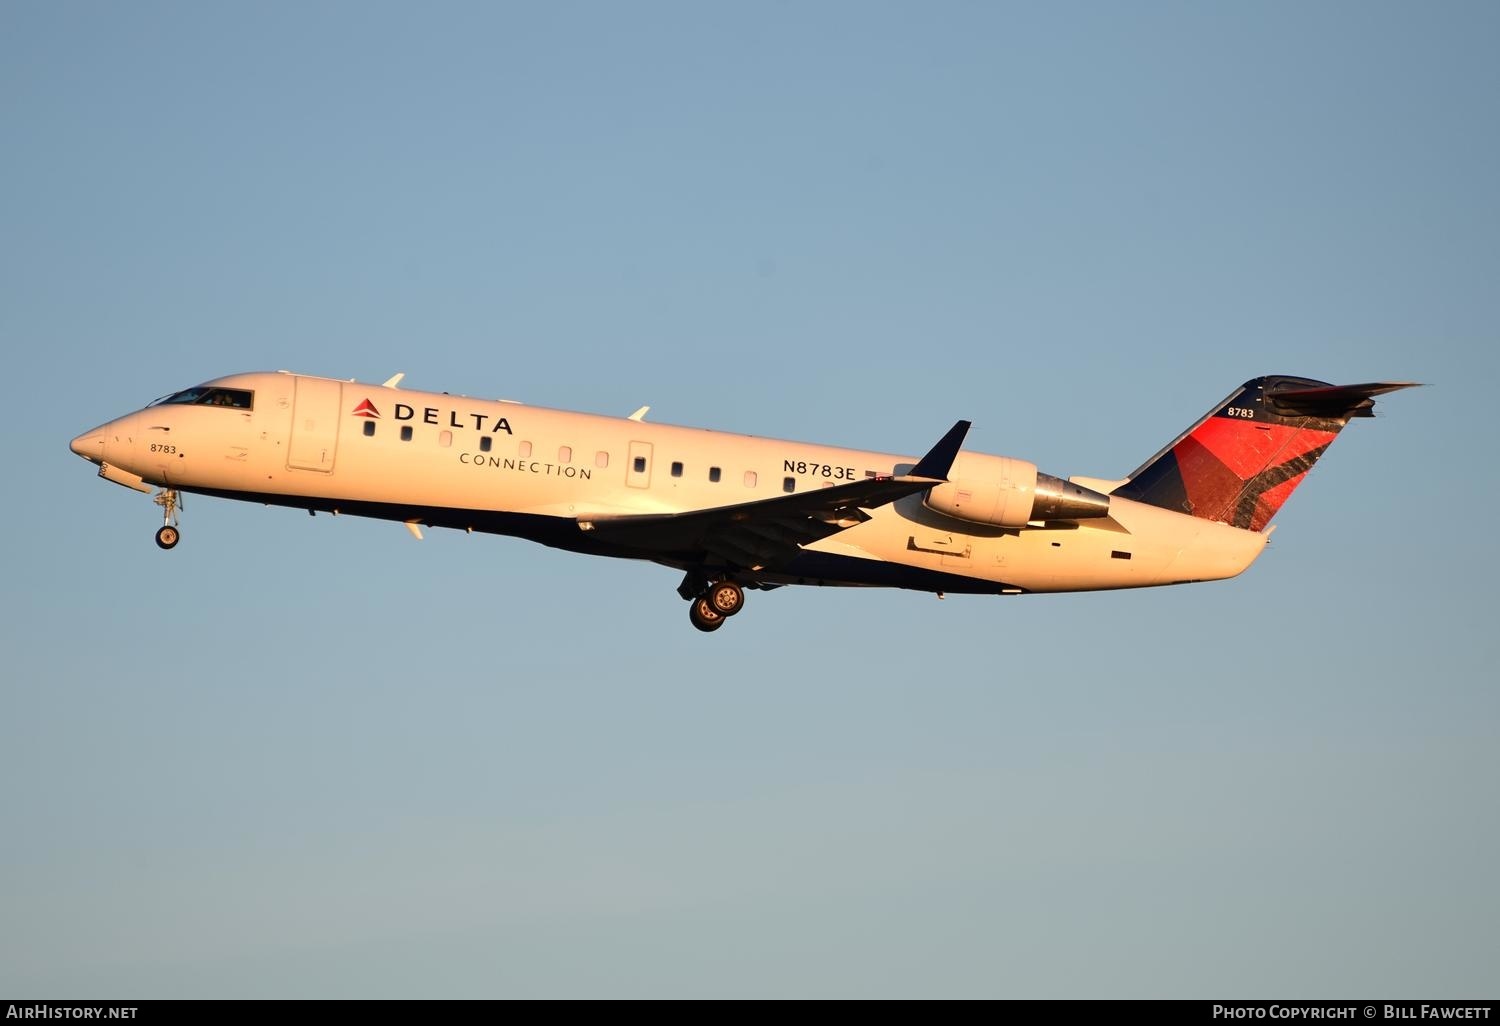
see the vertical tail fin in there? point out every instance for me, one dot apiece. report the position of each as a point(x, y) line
point(1241, 461)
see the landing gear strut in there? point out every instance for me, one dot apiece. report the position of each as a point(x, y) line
point(710, 605)
point(170, 502)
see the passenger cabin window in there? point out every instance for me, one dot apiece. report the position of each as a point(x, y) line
point(789, 484)
point(601, 459)
point(525, 450)
point(565, 454)
point(640, 464)
point(445, 439)
point(485, 442)
point(369, 429)
point(203, 395)
point(405, 432)
point(713, 474)
point(676, 469)
point(750, 479)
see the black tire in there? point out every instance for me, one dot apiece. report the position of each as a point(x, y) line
point(168, 537)
point(702, 613)
point(726, 597)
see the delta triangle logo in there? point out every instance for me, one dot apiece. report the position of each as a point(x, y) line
point(367, 409)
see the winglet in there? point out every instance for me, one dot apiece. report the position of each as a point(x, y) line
point(393, 381)
point(640, 414)
point(939, 459)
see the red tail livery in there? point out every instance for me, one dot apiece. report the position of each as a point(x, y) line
point(1249, 453)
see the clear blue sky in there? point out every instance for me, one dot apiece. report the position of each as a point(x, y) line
point(305, 757)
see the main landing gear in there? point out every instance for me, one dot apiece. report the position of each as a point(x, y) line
point(709, 607)
point(702, 613)
point(170, 502)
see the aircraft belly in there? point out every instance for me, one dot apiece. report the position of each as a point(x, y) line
point(960, 561)
point(1148, 547)
point(1032, 559)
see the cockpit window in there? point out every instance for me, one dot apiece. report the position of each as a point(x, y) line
point(205, 395)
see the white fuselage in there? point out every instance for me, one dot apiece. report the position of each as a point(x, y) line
point(508, 468)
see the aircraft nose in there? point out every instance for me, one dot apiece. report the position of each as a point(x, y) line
point(89, 445)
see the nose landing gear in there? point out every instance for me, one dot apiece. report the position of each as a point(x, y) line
point(170, 502)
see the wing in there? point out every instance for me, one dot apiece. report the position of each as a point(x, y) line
point(762, 533)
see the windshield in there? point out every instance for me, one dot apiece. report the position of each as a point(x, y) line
point(206, 395)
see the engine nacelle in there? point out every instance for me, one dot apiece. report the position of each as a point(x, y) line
point(1016, 496)
point(1002, 498)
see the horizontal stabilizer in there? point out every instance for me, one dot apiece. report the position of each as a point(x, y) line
point(1331, 400)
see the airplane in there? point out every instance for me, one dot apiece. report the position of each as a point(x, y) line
point(735, 512)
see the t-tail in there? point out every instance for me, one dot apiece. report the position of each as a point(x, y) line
point(1250, 452)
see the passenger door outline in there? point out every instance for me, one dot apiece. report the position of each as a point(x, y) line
point(315, 425)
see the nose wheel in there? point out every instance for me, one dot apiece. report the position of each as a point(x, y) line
point(170, 502)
